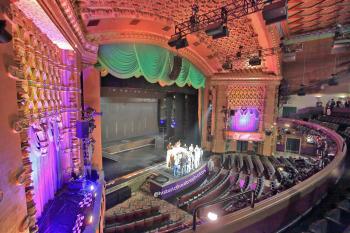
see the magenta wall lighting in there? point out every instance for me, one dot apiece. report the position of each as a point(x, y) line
point(245, 120)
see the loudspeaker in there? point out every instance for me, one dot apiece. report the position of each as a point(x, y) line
point(82, 127)
point(275, 12)
point(176, 68)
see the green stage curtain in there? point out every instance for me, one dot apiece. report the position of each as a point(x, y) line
point(150, 61)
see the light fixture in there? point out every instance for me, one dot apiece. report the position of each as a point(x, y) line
point(212, 216)
point(92, 187)
point(178, 41)
point(182, 43)
point(5, 36)
point(224, 33)
point(227, 64)
point(90, 219)
point(255, 61)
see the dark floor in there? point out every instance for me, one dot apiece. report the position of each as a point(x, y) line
point(131, 161)
point(334, 196)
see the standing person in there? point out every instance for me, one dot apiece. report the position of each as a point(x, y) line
point(211, 166)
point(196, 156)
point(190, 155)
point(347, 103)
point(168, 155)
point(332, 104)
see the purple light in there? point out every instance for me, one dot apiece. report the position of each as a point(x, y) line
point(245, 120)
point(241, 183)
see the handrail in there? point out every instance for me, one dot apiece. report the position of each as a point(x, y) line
point(209, 203)
point(244, 218)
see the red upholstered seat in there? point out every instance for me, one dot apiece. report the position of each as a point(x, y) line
point(148, 222)
point(139, 225)
point(110, 230)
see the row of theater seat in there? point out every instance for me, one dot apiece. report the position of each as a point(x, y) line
point(143, 225)
point(213, 193)
point(184, 199)
point(123, 218)
point(336, 220)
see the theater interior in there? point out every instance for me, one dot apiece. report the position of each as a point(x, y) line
point(130, 116)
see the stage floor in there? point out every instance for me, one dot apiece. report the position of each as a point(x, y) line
point(131, 161)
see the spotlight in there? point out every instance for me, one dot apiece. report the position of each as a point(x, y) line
point(90, 219)
point(217, 30)
point(212, 216)
point(173, 40)
point(178, 41)
point(255, 61)
point(301, 91)
point(4, 35)
point(227, 65)
point(92, 188)
point(225, 33)
point(182, 43)
point(333, 80)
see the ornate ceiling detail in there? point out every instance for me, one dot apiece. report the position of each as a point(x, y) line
point(310, 15)
point(159, 17)
point(72, 18)
point(33, 11)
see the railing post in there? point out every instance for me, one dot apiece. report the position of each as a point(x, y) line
point(252, 201)
point(194, 221)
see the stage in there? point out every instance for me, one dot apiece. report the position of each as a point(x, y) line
point(132, 161)
point(165, 185)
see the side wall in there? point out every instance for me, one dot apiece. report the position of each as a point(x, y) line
point(13, 208)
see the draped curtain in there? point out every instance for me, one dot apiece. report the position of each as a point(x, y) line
point(150, 61)
point(47, 172)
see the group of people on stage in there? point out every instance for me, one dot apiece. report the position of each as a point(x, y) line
point(182, 159)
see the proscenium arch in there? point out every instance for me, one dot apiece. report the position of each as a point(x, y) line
point(150, 31)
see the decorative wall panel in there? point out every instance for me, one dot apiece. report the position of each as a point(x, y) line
point(48, 107)
point(246, 96)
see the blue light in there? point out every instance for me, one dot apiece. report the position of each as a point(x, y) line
point(92, 187)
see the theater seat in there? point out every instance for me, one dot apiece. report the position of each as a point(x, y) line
point(110, 230)
point(338, 216)
point(347, 230)
point(344, 205)
point(325, 226)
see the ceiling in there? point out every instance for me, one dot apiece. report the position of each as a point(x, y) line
point(110, 21)
point(152, 21)
point(310, 15)
point(319, 64)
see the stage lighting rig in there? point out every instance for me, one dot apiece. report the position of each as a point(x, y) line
point(178, 41)
point(274, 11)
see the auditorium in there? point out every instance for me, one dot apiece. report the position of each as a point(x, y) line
point(174, 116)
